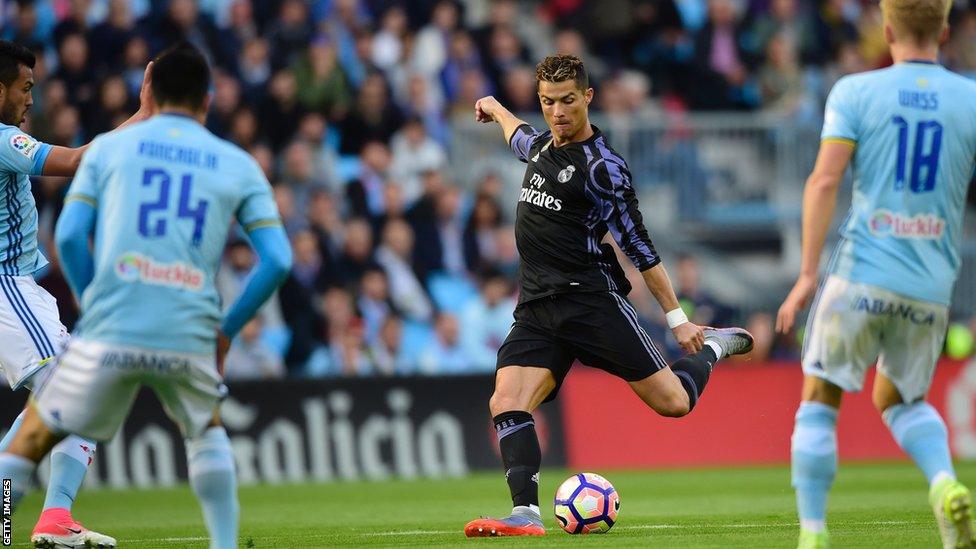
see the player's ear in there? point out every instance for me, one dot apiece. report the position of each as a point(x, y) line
point(889, 34)
point(945, 35)
point(206, 103)
point(588, 95)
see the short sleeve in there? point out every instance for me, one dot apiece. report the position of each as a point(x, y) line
point(85, 186)
point(21, 153)
point(257, 208)
point(840, 114)
point(522, 140)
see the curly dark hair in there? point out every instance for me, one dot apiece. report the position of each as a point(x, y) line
point(562, 67)
point(12, 56)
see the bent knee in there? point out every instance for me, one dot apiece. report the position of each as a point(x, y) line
point(503, 402)
point(674, 405)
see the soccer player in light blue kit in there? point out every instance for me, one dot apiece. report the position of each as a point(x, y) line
point(31, 333)
point(159, 198)
point(910, 130)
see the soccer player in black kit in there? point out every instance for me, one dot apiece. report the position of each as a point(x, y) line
point(572, 303)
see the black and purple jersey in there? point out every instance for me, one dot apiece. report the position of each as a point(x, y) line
point(571, 196)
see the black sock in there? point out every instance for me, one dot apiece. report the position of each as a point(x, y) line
point(693, 371)
point(520, 455)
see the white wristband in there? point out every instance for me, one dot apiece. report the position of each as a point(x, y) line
point(676, 318)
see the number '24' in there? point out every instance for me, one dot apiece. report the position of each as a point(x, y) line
point(155, 226)
point(925, 161)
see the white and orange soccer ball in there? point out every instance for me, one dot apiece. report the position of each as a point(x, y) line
point(586, 503)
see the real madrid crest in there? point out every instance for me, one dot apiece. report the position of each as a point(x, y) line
point(566, 174)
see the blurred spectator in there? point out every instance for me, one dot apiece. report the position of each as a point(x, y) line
point(700, 306)
point(414, 153)
point(437, 222)
point(373, 118)
point(395, 255)
point(780, 79)
point(366, 195)
point(254, 66)
point(74, 69)
point(300, 172)
point(721, 68)
point(357, 254)
point(445, 354)
point(388, 41)
point(487, 320)
point(290, 33)
point(282, 107)
point(386, 351)
point(374, 301)
point(249, 358)
point(480, 234)
point(108, 38)
point(430, 49)
point(322, 86)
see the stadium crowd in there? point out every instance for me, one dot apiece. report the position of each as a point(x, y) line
point(348, 107)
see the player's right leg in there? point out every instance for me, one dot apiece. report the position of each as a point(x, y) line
point(841, 344)
point(31, 335)
point(518, 391)
point(814, 457)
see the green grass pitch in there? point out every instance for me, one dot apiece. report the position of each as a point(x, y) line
point(872, 505)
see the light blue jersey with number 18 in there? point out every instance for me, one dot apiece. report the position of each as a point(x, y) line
point(913, 126)
point(166, 191)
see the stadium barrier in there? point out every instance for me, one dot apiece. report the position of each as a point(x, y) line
point(435, 427)
point(745, 417)
point(324, 430)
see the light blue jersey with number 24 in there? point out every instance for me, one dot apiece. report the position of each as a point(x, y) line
point(913, 126)
point(166, 191)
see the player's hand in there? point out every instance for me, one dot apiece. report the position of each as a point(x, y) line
point(147, 103)
point(690, 336)
point(795, 302)
point(223, 345)
point(485, 109)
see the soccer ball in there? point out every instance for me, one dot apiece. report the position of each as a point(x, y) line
point(586, 503)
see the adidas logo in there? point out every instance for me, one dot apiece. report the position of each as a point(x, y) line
point(536, 157)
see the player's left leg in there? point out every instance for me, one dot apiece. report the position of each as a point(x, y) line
point(210, 462)
point(911, 351)
point(192, 398)
point(813, 457)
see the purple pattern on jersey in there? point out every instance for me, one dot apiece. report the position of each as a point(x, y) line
point(610, 188)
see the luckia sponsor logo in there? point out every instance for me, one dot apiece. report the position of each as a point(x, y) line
point(135, 267)
point(922, 226)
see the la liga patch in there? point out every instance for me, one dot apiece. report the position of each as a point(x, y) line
point(24, 145)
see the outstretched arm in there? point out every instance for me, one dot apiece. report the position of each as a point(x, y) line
point(488, 109)
point(64, 161)
point(819, 201)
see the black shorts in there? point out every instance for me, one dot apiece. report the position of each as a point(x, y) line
point(599, 329)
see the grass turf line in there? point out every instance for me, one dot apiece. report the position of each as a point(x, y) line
point(872, 505)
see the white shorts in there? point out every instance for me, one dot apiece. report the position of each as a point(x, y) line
point(852, 325)
point(31, 333)
point(92, 386)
